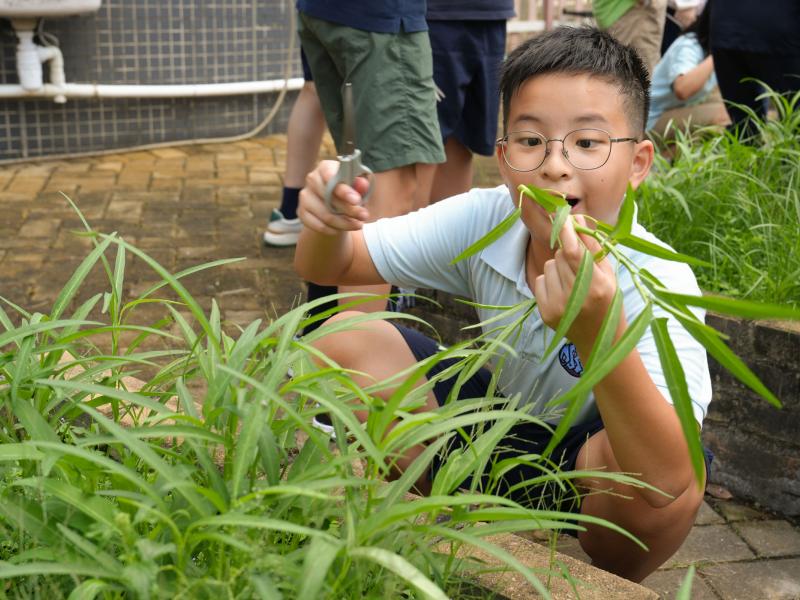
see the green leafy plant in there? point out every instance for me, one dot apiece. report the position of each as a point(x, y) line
point(607, 353)
point(176, 458)
point(733, 201)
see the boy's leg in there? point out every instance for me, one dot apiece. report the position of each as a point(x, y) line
point(643, 27)
point(662, 530)
point(466, 63)
point(376, 350)
point(303, 137)
point(455, 175)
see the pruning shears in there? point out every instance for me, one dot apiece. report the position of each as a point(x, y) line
point(350, 165)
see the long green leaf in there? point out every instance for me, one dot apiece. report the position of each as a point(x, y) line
point(246, 446)
point(583, 281)
point(730, 306)
point(602, 367)
point(685, 591)
point(550, 201)
point(27, 330)
point(89, 589)
point(625, 219)
point(71, 287)
point(8, 571)
point(402, 568)
point(420, 466)
point(602, 343)
point(679, 391)
point(724, 356)
point(92, 551)
point(95, 507)
point(561, 216)
point(319, 557)
point(19, 451)
point(257, 522)
point(647, 247)
point(490, 238)
point(177, 286)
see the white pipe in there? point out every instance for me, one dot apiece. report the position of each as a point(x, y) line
point(57, 78)
point(202, 90)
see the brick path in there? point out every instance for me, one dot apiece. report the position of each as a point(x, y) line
point(189, 205)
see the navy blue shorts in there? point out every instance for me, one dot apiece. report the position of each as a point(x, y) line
point(466, 61)
point(525, 438)
point(306, 68)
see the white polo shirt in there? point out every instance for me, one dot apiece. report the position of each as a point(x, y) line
point(415, 250)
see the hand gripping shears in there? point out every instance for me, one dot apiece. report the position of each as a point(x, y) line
point(350, 165)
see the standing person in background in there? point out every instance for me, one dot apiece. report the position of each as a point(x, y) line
point(303, 137)
point(382, 49)
point(680, 14)
point(468, 41)
point(637, 23)
point(758, 39)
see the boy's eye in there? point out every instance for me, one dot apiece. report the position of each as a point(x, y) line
point(531, 141)
point(585, 143)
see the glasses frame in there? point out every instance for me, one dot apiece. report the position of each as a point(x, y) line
point(503, 142)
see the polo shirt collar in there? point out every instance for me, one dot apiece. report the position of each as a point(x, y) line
point(507, 256)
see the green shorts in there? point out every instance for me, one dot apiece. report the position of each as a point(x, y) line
point(393, 90)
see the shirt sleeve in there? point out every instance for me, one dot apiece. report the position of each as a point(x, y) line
point(678, 278)
point(415, 250)
point(686, 57)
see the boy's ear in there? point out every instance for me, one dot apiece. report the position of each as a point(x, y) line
point(641, 162)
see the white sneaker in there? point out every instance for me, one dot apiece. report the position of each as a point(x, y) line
point(282, 231)
point(323, 422)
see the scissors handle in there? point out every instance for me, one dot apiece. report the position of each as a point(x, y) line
point(350, 167)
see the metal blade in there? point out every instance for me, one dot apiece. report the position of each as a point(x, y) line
point(349, 121)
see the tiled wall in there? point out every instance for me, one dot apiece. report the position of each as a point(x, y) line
point(152, 42)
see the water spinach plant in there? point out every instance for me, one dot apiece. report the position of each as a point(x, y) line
point(733, 201)
point(607, 353)
point(175, 458)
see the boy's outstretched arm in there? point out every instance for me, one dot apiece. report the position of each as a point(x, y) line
point(643, 430)
point(331, 248)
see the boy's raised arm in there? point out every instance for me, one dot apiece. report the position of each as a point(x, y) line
point(331, 248)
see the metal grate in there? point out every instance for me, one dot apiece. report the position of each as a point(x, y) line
point(151, 42)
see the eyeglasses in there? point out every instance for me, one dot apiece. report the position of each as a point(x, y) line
point(584, 149)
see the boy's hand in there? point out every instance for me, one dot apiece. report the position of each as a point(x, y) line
point(315, 215)
point(553, 287)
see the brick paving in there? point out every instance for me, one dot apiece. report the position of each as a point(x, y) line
point(188, 205)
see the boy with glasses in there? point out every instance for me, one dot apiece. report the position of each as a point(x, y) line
point(574, 103)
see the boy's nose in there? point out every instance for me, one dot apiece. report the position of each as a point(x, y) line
point(556, 163)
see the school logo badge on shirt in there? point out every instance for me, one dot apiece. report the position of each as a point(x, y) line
point(568, 357)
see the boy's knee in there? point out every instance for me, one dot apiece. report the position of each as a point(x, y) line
point(678, 514)
point(349, 344)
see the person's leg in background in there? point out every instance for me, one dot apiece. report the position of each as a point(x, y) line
point(733, 66)
point(394, 99)
point(466, 62)
point(303, 138)
point(643, 28)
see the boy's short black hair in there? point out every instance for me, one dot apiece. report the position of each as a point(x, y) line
point(580, 50)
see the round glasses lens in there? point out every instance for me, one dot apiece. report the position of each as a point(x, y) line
point(524, 150)
point(587, 148)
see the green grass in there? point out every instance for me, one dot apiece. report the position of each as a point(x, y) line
point(209, 480)
point(734, 203)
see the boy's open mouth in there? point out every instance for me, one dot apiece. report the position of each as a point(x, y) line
point(572, 201)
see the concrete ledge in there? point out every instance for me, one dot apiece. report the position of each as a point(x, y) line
point(590, 583)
